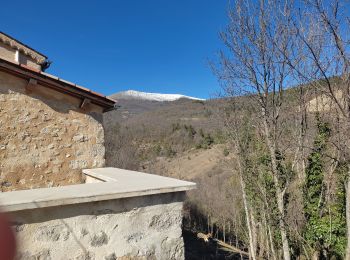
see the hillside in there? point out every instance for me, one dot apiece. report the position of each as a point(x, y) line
point(182, 139)
point(151, 129)
point(187, 139)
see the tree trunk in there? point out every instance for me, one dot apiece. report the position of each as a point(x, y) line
point(224, 232)
point(229, 233)
point(241, 256)
point(268, 229)
point(247, 215)
point(282, 227)
point(273, 252)
point(254, 231)
point(347, 192)
point(315, 255)
point(208, 222)
point(262, 242)
point(279, 191)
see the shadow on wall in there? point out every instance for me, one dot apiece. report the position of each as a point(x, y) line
point(15, 87)
point(46, 139)
point(99, 208)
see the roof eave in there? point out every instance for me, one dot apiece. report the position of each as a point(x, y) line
point(25, 45)
point(57, 84)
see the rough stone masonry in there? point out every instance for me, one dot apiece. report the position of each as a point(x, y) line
point(45, 139)
point(139, 228)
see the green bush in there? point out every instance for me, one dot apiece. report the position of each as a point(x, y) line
point(226, 152)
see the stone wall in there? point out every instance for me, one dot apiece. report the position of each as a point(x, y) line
point(9, 54)
point(28, 61)
point(27, 56)
point(145, 227)
point(45, 138)
point(6, 52)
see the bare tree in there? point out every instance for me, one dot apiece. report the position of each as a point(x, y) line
point(233, 122)
point(322, 31)
point(255, 65)
point(120, 150)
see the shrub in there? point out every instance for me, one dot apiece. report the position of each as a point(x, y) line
point(226, 152)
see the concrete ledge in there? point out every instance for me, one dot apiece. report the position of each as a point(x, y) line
point(116, 184)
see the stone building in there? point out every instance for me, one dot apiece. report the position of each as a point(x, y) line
point(50, 129)
point(50, 133)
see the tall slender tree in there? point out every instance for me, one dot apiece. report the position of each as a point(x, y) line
point(254, 64)
point(322, 31)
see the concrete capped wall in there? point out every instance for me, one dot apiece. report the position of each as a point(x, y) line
point(119, 214)
point(45, 138)
point(144, 227)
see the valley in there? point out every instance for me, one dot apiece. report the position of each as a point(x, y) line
point(182, 139)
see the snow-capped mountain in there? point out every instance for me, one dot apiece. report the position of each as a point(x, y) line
point(133, 94)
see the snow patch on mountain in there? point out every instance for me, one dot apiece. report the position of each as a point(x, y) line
point(133, 94)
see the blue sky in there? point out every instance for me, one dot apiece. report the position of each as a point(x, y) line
point(110, 46)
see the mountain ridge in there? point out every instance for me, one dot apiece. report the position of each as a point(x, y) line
point(159, 97)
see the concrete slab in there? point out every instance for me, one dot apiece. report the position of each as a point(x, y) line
point(118, 184)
